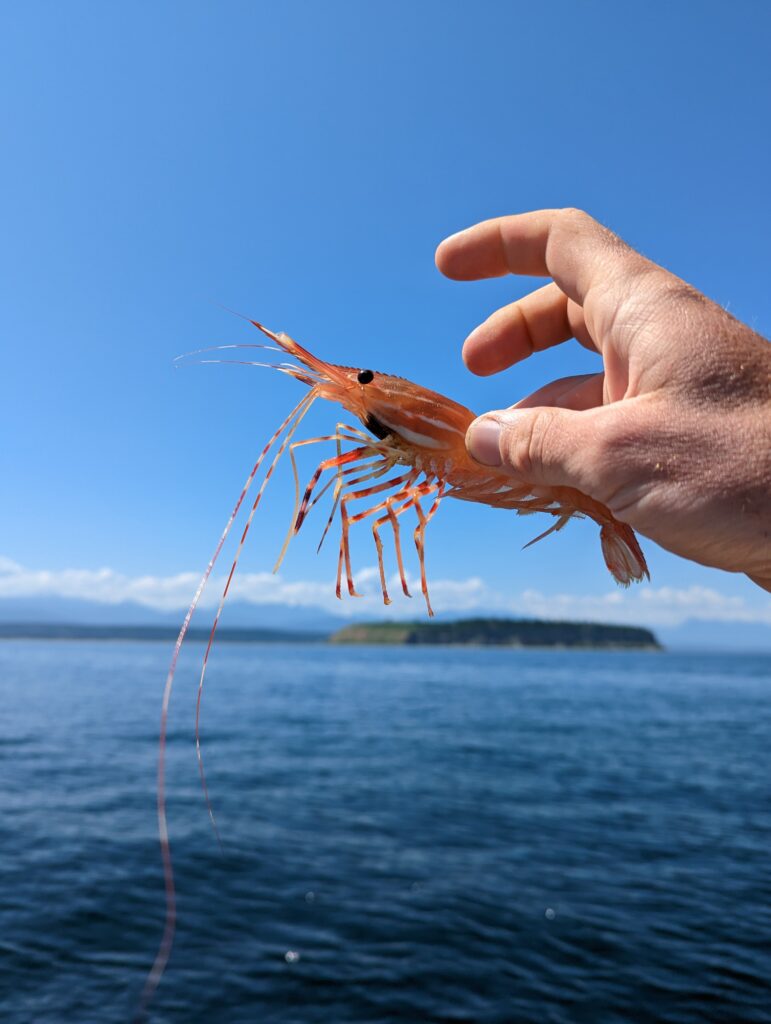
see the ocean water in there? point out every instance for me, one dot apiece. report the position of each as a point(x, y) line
point(432, 835)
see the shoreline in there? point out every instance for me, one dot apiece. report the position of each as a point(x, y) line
point(509, 634)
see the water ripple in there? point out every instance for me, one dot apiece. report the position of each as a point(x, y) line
point(436, 836)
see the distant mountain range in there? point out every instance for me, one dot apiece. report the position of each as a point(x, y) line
point(693, 634)
point(240, 615)
point(708, 635)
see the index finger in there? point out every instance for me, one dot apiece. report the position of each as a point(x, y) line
point(566, 245)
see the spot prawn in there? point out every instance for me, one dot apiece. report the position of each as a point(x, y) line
point(407, 449)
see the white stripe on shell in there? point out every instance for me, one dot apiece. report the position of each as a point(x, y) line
point(416, 438)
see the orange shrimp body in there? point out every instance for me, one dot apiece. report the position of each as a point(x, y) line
point(425, 431)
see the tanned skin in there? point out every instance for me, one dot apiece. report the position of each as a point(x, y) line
point(673, 435)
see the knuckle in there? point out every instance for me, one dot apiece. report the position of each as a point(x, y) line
point(573, 223)
point(572, 216)
point(526, 443)
point(617, 436)
point(620, 446)
point(570, 228)
point(568, 223)
point(610, 443)
point(682, 300)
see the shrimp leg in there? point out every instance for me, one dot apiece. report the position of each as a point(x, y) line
point(338, 437)
point(333, 463)
point(393, 517)
point(419, 535)
point(345, 553)
point(554, 528)
point(412, 495)
point(378, 467)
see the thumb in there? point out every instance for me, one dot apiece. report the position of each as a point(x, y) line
point(546, 446)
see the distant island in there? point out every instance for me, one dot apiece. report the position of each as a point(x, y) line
point(501, 633)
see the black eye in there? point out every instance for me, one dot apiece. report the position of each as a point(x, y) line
point(365, 376)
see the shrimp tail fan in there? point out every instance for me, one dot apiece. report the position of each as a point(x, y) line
point(622, 553)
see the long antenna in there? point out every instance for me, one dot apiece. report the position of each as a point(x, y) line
point(167, 938)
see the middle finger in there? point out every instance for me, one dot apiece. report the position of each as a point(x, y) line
point(544, 318)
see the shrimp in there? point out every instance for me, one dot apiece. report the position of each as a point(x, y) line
point(418, 436)
point(424, 432)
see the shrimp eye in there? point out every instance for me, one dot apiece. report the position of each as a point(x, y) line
point(365, 376)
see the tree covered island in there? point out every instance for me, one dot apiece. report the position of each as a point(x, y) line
point(501, 633)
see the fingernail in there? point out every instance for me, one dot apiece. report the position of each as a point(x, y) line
point(483, 441)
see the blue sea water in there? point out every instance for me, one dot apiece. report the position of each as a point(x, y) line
point(434, 835)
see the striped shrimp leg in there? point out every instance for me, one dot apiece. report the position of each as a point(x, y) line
point(334, 463)
point(412, 496)
point(354, 435)
point(409, 495)
point(345, 554)
point(375, 469)
point(424, 518)
point(392, 517)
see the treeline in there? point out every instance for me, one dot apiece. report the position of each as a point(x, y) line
point(500, 633)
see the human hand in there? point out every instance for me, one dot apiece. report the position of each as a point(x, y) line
point(674, 436)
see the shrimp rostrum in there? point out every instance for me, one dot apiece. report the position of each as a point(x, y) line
point(409, 452)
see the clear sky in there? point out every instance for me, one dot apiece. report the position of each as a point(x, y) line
point(299, 162)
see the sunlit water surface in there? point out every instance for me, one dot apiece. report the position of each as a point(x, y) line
point(427, 835)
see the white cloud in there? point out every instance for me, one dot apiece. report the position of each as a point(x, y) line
point(171, 593)
point(644, 605)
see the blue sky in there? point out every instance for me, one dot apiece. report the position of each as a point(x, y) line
point(299, 162)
